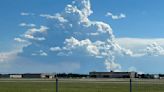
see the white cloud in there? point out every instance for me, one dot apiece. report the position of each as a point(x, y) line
point(40, 38)
point(11, 55)
point(116, 17)
point(36, 33)
point(27, 25)
point(43, 54)
point(27, 14)
point(56, 16)
point(7, 56)
point(103, 27)
point(93, 34)
point(77, 32)
point(72, 31)
point(143, 46)
point(112, 66)
point(68, 53)
point(138, 42)
point(93, 49)
point(29, 36)
point(55, 49)
point(3, 57)
point(154, 49)
point(90, 47)
point(72, 42)
point(40, 53)
point(24, 14)
point(42, 29)
point(20, 40)
point(84, 5)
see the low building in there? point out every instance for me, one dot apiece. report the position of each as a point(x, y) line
point(4, 76)
point(150, 76)
point(47, 76)
point(156, 76)
point(29, 75)
point(16, 76)
point(113, 74)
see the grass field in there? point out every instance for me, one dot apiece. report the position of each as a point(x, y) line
point(80, 85)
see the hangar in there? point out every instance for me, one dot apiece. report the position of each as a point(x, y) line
point(113, 74)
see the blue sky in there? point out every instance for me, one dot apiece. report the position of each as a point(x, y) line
point(138, 36)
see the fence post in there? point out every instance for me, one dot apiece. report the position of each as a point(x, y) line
point(130, 85)
point(56, 84)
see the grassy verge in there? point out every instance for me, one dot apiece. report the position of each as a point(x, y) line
point(79, 86)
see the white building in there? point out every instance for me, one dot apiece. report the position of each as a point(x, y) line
point(16, 76)
point(47, 75)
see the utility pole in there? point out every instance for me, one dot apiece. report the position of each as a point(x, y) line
point(57, 83)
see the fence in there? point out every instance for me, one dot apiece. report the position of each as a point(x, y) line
point(111, 85)
point(82, 85)
point(147, 85)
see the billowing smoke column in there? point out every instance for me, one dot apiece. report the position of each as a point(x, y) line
point(72, 30)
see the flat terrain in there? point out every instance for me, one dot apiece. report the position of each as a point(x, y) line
point(80, 85)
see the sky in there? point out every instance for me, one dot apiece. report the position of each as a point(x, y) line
point(79, 36)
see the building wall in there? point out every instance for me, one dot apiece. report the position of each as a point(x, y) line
point(31, 75)
point(4, 76)
point(16, 76)
point(49, 76)
point(112, 74)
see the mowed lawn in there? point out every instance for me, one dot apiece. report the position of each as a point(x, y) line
point(27, 87)
point(94, 87)
point(78, 86)
point(112, 86)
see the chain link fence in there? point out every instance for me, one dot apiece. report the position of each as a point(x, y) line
point(111, 85)
point(147, 85)
point(82, 85)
